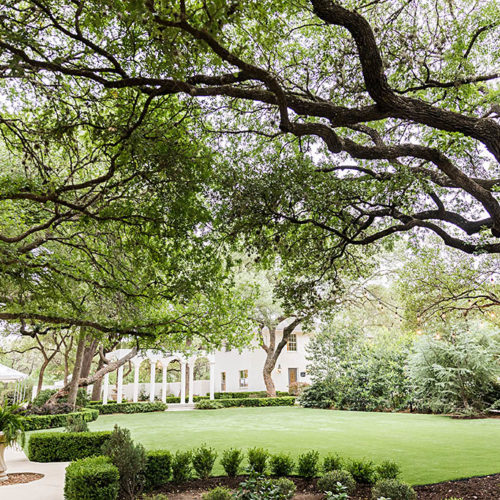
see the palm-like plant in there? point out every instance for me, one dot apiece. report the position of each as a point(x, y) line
point(11, 424)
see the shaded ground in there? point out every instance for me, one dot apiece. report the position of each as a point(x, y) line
point(476, 488)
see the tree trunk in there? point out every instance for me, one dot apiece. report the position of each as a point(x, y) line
point(268, 379)
point(88, 357)
point(96, 389)
point(73, 385)
point(40, 375)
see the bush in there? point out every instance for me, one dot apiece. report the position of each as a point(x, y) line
point(231, 461)
point(241, 395)
point(207, 404)
point(308, 464)
point(94, 478)
point(75, 423)
point(279, 401)
point(333, 462)
point(43, 396)
point(257, 459)
point(331, 480)
point(218, 493)
point(319, 395)
point(157, 469)
point(203, 460)
point(65, 446)
point(296, 388)
point(181, 466)
point(129, 459)
point(363, 471)
point(262, 488)
point(129, 407)
point(39, 422)
point(281, 464)
point(393, 489)
point(285, 487)
point(388, 470)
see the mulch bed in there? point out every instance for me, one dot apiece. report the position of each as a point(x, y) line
point(21, 478)
point(474, 488)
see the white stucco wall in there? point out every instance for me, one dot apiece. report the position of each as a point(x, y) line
point(231, 362)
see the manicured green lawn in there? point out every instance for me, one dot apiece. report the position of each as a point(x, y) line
point(429, 448)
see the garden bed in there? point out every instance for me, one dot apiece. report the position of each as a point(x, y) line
point(20, 478)
point(475, 488)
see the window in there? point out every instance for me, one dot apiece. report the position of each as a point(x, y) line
point(292, 342)
point(243, 378)
point(223, 381)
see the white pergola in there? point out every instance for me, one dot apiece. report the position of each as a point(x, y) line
point(10, 375)
point(153, 357)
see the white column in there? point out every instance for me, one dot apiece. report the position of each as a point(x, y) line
point(191, 380)
point(152, 381)
point(119, 389)
point(164, 365)
point(183, 382)
point(212, 379)
point(136, 382)
point(105, 391)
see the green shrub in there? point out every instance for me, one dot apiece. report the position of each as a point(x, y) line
point(65, 446)
point(286, 488)
point(339, 494)
point(203, 460)
point(241, 395)
point(332, 462)
point(308, 464)
point(278, 401)
point(207, 404)
point(39, 422)
point(231, 461)
point(388, 470)
point(181, 466)
point(281, 464)
point(257, 459)
point(75, 423)
point(157, 470)
point(393, 489)
point(129, 459)
point(219, 493)
point(130, 407)
point(319, 395)
point(82, 398)
point(331, 480)
point(94, 478)
point(43, 396)
point(363, 471)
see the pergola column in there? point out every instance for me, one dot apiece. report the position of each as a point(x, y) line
point(191, 380)
point(137, 365)
point(119, 389)
point(164, 365)
point(183, 382)
point(212, 379)
point(105, 391)
point(152, 379)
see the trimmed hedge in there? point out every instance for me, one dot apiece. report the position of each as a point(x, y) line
point(279, 401)
point(129, 407)
point(158, 468)
point(65, 446)
point(250, 395)
point(93, 478)
point(39, 422)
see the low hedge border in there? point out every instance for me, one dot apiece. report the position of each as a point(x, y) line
point(227, 403)
point(39, 422)
point(65, 446)
point(93, 478)
point(247, 395)
point(129, 407)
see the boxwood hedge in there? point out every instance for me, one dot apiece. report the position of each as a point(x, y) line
point(93, 478)
point(65, 446)
point(129, 407)
point(39, 422)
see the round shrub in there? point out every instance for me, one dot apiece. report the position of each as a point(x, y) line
point(181, 466)
point(363, 471)
point(219, 493)
point(231, 461)
point(281, 464)
point(332, 462)
point(257, 458)
point(330, 481)
point(388, 470)
point(285, 488)
point(307, 464)
point(207, 404)
point(393, 489)
point(203, 460)
point(94, 478)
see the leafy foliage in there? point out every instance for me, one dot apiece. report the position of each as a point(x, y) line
point(203, 460)
point(231, 461)
point(332, 481)
point(12, 423)
point(181, 466)
point(393, 489)
point(281, 464)
point(257, 459)
point(308, 464)
point(363, 471)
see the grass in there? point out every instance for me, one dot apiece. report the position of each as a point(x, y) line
point(429, 448)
